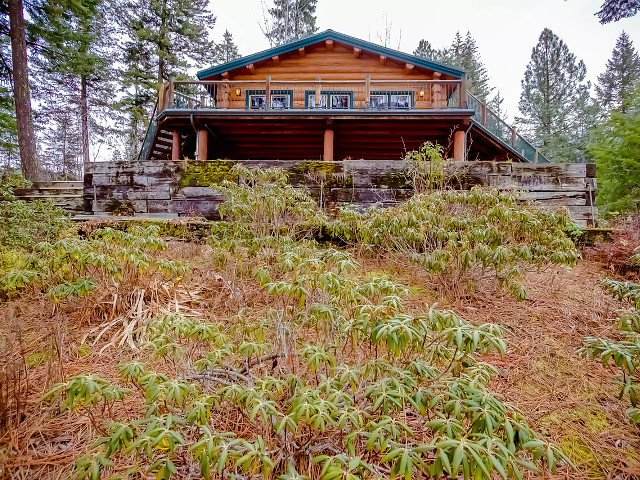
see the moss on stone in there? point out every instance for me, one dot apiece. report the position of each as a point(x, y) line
point(206, 173)
point(392, 180)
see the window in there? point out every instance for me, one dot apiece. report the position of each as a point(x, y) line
point(378, 102)
point(257, 102)
point(340, 100)
point(280, 99)
point(402, 100)
point(332, 100)
point(391, 100)
point(311, 101)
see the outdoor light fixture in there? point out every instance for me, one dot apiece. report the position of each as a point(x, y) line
point(422, 93)
point(237, 92)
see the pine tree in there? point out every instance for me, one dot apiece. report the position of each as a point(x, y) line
point(553, 84)
point(425, 50)
point(617, 84)
point(227, 50)
point(495, 105)
point(614, 10)
point(77, 58)
point(21, 93)
point(463, 53)
point(163, 39)
point(290, 20)
point(616, 149)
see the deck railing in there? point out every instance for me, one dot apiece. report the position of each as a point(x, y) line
point(507, 134)
point(320, 94)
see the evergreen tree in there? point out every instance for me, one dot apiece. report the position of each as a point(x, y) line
point(163, 39)
point(77, 59)
point(463, 53)
point(614, 10)
point(226, 50)
point(553, 84)
point(616, 149)
point(425, 50)
point(495, 105)
point(617, 84)
point(21, 91)
point(290, 20)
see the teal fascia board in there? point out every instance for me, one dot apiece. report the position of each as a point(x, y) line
point(338, 37)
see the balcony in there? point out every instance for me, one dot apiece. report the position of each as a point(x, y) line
point(268, 95)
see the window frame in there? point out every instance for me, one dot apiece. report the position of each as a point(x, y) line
point(263, 93)
point(327, 95)
point(389, 94)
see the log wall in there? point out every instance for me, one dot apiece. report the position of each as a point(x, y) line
point(167, 189)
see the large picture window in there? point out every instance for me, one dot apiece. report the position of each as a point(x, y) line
point(391, 100)
point(331, 100)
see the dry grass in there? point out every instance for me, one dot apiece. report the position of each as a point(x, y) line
point(571, 400)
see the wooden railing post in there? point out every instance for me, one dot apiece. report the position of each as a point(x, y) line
point(171, 93)
point(318, 93)
point(367, 92)
point(161, 98)
point(514, 136)
point(463, 93)
point(535, 157)
point(483, 115)
point(267, 92)
point(225, 94)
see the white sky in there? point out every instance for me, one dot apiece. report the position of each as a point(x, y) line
point(505, 30)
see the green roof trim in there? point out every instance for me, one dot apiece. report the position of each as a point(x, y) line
point(338, 37)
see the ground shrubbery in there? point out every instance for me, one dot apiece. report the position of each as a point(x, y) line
point(322, 372)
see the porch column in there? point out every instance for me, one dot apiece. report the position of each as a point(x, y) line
point(202, 144)
point(459, 147)
point(175, 145)
point(328, 146)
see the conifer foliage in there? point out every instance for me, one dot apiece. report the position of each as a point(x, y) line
point(289, 20)
point(226, 50)
point(614, 10)
point(616, 85)
point(553, 86)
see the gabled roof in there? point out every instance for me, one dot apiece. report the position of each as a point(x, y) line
point(338, 37)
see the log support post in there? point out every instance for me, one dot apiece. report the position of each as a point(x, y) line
point(459, 145)
point(203, 137)
point(328, 144)
point(175, 145)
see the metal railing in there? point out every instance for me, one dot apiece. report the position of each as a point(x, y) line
point(320, 94)
point(507, 134)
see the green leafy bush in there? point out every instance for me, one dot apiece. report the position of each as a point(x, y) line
point(457, 236)
point(23, 224)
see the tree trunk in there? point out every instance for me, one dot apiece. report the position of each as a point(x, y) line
point(84, 117)
point(26, 134)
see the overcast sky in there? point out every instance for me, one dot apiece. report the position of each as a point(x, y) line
point(505, 30)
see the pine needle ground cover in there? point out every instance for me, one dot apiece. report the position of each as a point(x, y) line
point(263, 353)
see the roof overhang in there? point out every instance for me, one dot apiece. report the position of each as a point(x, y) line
point(338, 37)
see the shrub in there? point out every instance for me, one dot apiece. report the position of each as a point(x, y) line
point(457, 236)
point(24, 224)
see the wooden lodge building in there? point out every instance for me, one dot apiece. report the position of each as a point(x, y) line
point(339, 114)
point(327, 97)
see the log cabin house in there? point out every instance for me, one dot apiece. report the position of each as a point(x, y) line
point(327, 97)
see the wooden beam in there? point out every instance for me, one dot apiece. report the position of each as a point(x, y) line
point(225, 75)
point(252, 68)
point(459, 147)
point(356, 52)
point(202, 144)
point(328, 146)
point(328, 44)
point(382, 60)
point(408, 67)
point(276, 59)
point(301, 52)
point(175, 145)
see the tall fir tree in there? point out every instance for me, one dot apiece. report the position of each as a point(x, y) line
point(163, 39)
point(77, 57)
point(617, 84)
point(226, 50)
point(553, 85)
point(9, 149)
point(463, 53)
point(614, 10)
point(289, 20)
